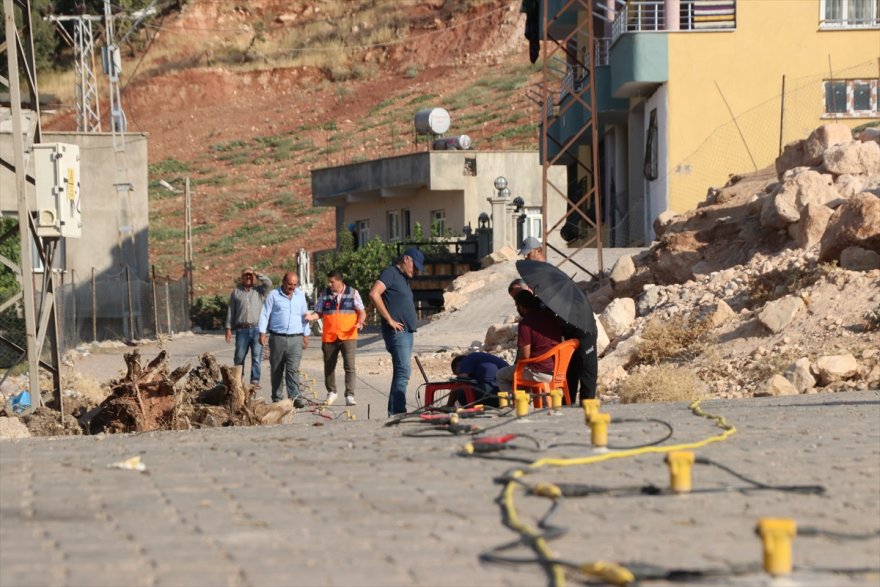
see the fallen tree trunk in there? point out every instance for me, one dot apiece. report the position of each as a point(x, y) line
point(148, 398)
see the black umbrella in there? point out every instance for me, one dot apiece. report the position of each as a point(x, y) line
point(559, 293)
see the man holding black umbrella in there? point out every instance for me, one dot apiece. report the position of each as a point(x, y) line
point(567, 301)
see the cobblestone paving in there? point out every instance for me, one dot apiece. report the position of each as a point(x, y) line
point(342, 502)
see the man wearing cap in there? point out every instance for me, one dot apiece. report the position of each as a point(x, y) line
point(392, 296)
point(243, 315)
point(531, 249)
point(583, 370)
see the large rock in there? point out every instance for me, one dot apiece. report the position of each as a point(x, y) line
point(792, 156)
point(500, 256)
point(827, 135)
point(720, 314)
point(853, 158)
point(808, 230)
point(799, 374)
point(663, 221)
point(602, 340)
point(649, 300)
point(778, 314)
point(856, 223)
point(831, 368)
point(12, 427)
point(849, 185)
point(777, 385)
point(500, 335)
point(600, 298)
point(870, 134)
point(804, 188)
point(859, 259)
point(618, 317)
point(623, 270)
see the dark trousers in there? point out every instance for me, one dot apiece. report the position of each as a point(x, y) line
point(583, 370)
point(331, 356)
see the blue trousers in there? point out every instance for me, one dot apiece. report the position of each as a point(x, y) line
point(400, 345)
point(248, 339)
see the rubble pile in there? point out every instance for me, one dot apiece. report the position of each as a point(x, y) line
point(784, 265)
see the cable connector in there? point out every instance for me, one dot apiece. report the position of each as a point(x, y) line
point(544, 489)
point(776, 535)
point(608, 572)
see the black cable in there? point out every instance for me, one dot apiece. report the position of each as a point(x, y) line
point(809, 531)
point(807, 489)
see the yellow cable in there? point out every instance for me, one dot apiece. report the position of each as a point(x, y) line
point(609, 572)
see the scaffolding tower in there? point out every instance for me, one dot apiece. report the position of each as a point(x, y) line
point(568, 79)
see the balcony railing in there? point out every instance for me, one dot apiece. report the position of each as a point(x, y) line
point(650, 16)
point(601, 51)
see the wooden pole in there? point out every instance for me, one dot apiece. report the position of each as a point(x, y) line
point(155, 308)
point(130, 304)
point(94, 309)
point(168, 307)
point(781, 114)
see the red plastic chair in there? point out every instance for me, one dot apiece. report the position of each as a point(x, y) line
point(561, 355)
point(431, 388)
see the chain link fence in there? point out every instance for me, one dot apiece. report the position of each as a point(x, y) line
point(105, 307)
point(754, 138)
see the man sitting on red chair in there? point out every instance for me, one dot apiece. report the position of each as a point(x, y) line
point(538, 332)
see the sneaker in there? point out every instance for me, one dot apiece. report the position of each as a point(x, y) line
point(299, 402)
point(255, 384)
point(349, 400)
point(331, 397)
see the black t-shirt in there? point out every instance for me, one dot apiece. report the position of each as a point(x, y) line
point(398, 297)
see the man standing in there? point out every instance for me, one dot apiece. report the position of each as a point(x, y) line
point(342, 315)
point(537, 333)
point(392, 296)
point(583, 370)
point(242, 315)
point(284, 317)
point(531, 249)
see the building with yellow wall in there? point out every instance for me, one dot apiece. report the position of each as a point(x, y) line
point(690, 92)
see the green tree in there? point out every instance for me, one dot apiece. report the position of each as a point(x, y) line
point(361, 267)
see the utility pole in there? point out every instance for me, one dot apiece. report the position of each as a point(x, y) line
point(22, 146)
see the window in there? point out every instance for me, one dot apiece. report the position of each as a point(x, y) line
point(407, 224)
point(851, 98)
point(533, 223)
point(652, 149)
point(363, 232)
point(850, 13)
point(470, 166)
point(438, 222)
point(394, 225)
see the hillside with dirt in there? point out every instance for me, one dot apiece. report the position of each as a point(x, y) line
point(246, 99)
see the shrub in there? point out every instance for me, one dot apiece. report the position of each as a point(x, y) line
point(209, 312)
point(672, 339)
point(666, 383)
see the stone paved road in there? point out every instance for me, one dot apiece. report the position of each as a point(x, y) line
point(357, 503)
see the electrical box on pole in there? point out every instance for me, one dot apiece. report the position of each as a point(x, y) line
point(57, 189)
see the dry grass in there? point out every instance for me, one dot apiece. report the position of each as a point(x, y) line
point(676, 338)
point(666, 383)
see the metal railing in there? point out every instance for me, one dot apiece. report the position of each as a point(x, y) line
point(650, 16)
point(602, 51)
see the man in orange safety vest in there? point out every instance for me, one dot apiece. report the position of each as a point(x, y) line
point(342, 316)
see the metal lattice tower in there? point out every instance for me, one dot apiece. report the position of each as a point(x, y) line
point(41, 325)
point(88, 111)
point(558, 94)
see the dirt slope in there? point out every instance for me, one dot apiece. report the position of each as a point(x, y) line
point(248, 126)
